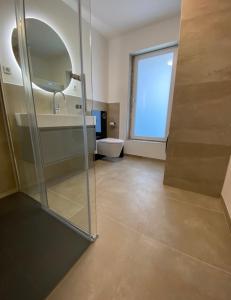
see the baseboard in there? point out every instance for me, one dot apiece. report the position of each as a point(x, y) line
point(139, 156)
point(10, 192)
point(227, 215)
point(149, 149)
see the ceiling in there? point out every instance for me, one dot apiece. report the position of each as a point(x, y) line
point(113, 17)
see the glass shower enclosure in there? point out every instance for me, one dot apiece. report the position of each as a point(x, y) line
point(48, 101)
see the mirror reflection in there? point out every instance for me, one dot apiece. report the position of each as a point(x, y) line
point(49, 59)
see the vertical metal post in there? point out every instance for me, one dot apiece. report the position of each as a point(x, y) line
point(84, 100)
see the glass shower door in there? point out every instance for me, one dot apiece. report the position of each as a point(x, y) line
point(49, 44)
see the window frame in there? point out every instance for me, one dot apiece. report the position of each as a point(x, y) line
point(133, 84)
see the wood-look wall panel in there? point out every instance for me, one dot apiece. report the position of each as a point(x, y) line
point(196, 8)
point(113, 115)
point(200, 132)
point(196, 115)
point(197, 167)
point(204, 48)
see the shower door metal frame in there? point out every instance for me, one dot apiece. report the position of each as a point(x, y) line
point(32, 119)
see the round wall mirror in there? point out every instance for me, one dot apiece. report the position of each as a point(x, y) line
point(50, 61)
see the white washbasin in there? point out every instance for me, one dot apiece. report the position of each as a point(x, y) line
point(58, 120)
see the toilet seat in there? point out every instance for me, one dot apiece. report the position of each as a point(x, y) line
point(109, 147)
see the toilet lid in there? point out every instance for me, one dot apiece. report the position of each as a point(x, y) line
point(111, 140)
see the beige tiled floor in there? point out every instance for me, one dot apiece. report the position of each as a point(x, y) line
point(155, 242)
point(63, 205)
point(67, 197)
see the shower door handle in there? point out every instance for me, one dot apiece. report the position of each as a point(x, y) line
point(82, 79)
point(75, 76)
point(166, 143)
point(84, 92)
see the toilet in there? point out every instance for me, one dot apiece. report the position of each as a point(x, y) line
point(109, 147)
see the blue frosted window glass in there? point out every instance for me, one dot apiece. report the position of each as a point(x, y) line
point(152, 95)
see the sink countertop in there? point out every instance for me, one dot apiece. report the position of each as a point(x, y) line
point(55, 120)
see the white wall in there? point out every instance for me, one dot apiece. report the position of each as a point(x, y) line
point(146, 149)
point(120, 49)
point(226, 191)
point(100, 66)
point(64, 21)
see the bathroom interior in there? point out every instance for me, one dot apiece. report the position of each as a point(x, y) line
point(115, 136)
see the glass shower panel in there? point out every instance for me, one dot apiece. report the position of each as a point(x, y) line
point(87, 70)
point(56, 42)
point(16, 104)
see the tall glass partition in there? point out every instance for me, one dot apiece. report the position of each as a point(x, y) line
point(17, 100)
point(51, 49)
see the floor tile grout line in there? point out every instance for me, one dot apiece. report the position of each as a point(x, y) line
point(60, 212)
point(204, 208)
point(64, 197)
point(194, 205)
point(191, 204)
point(169, 247)
point(198, 206)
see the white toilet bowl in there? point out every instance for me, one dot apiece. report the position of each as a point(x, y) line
point(109, 147)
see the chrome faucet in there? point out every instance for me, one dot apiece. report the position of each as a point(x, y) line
point(56, 108)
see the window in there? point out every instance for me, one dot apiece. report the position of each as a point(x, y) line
point(151, 93)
